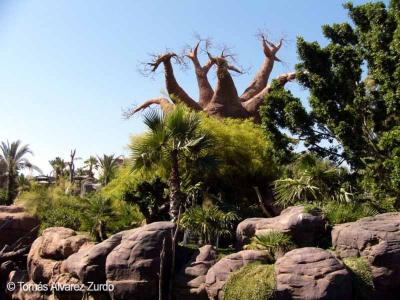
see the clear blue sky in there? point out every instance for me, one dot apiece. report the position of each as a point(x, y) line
point(67, 68)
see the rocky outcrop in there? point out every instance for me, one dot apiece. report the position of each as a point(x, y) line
point(133, 266)
point(89, 263)
point(305, 228)
point(218, 274)
point(377, 239)
point(49, 250)
point(312, 274)
point(190, 280)
point(16, 223)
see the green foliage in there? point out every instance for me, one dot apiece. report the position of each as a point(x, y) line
point(151, 199)
point(208, 223)
point(244, 157)
point(274, 242)
point(362, 279)
point(309, 179)
point(354, 101)
point(253, 281)
point(108, 164)
point(56, 208)
point(13, 159)
point(97, 213)
point(338, 213)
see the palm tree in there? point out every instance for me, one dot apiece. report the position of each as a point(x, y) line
point(108, 165)
point(58, 165)
point(91, 163)
point(209, 224)
point(169, 138)
point(13, 156)
point(97, 214)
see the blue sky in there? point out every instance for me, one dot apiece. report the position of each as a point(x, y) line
point(68, 68)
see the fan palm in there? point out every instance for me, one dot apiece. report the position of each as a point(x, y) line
point(13, 156)
point(108, 165)
point(170, 137)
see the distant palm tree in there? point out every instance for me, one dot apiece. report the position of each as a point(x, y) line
point(91, 163)
point(169, 138)
point(108, 164)
point(13, 156)
point(58, 165)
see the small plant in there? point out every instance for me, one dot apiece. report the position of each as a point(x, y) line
point(209, 224)
point(363, 285)
point(274, 242)
point(254, 281)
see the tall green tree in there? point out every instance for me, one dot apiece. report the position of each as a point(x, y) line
point(354, 97)
point(108, 164)
point(58, 165)
point(170, 138)
point(90, 164)
point(13, 156)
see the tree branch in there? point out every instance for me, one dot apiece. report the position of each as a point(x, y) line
point(261, 79)
point(252, 105)
point(163, 102)
point(205, 90)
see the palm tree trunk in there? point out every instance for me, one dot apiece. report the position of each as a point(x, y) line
point(11, 188)
point(174, 186)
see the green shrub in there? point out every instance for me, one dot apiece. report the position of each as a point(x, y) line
point(254, 281)
point(338, 213)
point(361, 274)
point(55, 208)
point(274, 242)
point(3, 196)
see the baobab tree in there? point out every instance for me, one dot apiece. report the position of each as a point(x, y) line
point(222, 101)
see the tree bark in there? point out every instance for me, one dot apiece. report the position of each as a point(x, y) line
point(175, 186)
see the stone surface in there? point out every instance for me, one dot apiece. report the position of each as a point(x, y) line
point(378, 240)
point(18, 294)
point(218, 274)
point(89, 263)
point(190, 280)
point(312, 274)
point(305, 228)
point(15, 223)
point(49, 250)
point(133, 266)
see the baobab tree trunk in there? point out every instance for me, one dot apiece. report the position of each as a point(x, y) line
point(223, 101)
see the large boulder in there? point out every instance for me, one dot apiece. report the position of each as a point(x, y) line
point(312, 274)
point(218, 274)
point(89, 263)
point(16, 223)
point(190, 280)
point(49, 250)
point(305, 228)
point(377, 239)
point(133, 266)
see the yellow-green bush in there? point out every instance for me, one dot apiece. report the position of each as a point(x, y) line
point(361, 274)
point(254, 281)
point(244, 159)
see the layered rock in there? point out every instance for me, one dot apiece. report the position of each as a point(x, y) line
point(16, 223)
point(312, 274)
point(89, 263)
point(133, 266)
point(190, 280)
point(218, 274)
point(49, 250)
point(305, 228)
point(377, 239)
